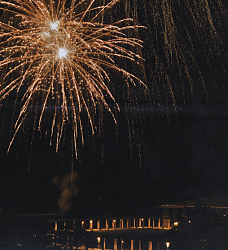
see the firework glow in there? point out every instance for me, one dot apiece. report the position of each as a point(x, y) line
point(59, 53)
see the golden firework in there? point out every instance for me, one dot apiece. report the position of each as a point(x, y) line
point(58, 53)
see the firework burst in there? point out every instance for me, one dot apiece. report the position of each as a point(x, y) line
point(58, 54)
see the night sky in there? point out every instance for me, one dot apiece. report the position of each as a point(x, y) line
point(183, 152)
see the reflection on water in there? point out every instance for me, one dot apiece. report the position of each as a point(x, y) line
point(105, 243)
point(110, 234)
point(138, 234)
point(31, 233)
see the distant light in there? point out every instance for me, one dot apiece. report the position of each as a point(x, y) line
point(122, 241)
point(62, 53)
point(91, 221)
point(54, 25)
point(189, 222)
point(167, 245)
point(176, 223)
point(98, 239)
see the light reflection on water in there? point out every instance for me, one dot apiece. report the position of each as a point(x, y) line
point(110, 234)
point(104, 243)
point(32, 233)
point(137, 234)
point(49, 232)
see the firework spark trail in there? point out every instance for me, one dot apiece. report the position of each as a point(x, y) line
point(60, 53)
point(177, 30)
point(65, 52)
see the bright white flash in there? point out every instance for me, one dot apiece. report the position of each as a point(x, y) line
point(62, 53)
point(54, 25)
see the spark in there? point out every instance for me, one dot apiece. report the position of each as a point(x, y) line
point(62, 53)
point(54, 25)
point(178, 43)
point(41, 32)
